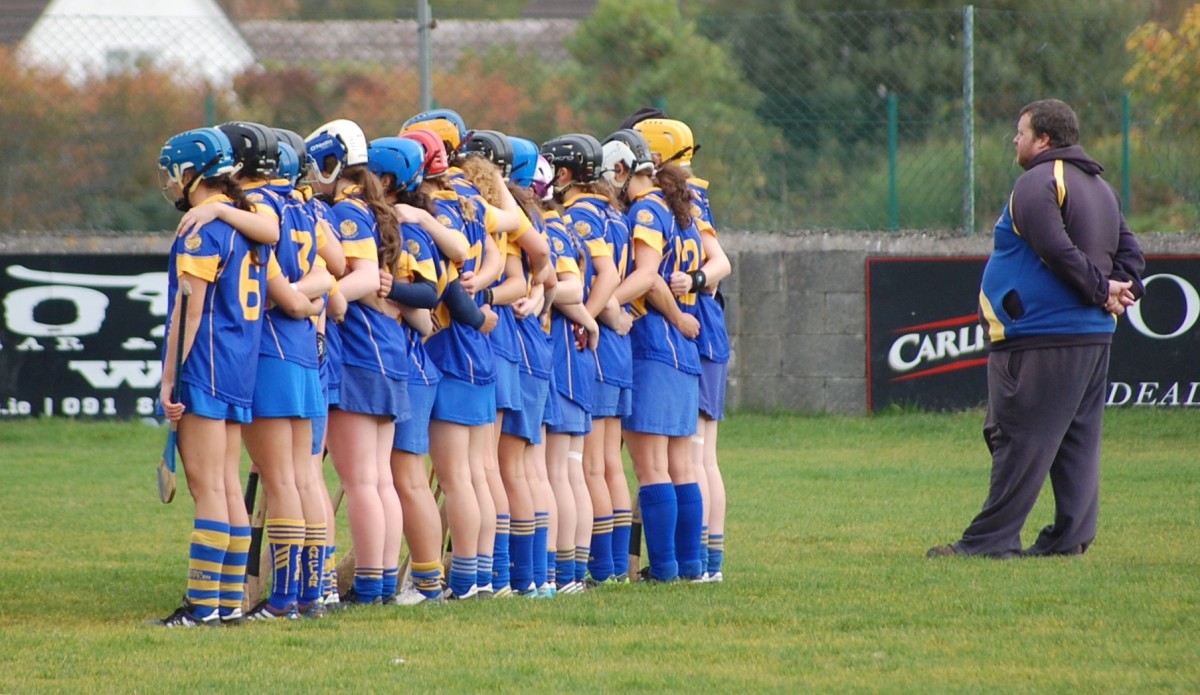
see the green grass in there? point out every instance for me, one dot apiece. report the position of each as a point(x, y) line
point(827, 587)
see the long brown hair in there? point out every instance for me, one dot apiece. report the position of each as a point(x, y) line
point(233, 190)
point(527, 200)
point(673, 180)
point(385, 216)
point(442, 183)
point(482, 173)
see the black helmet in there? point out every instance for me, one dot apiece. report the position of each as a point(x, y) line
point(493, 145)
point(255, 147)
point(578, 152)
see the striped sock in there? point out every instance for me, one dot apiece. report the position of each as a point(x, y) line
point(687, 529)
point(660, 510)
point(210, 539)
point(427, 578)
point(286, 538)
point(622, 526)
point(463, 574)
point(704, 549)
point(368, 583)
point(233, 570)
point(500, 564)
point(483, 572)
point(716, 552)
point(313, 563)
point(520, 549)
point(541, 529)
point(391, 579)
point(564, 562)
point(551, 567)
point(582, 552)
point(600, 562)
point(329, 584)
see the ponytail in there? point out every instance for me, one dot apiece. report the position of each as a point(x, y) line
point(673, 180)
point(385, 215)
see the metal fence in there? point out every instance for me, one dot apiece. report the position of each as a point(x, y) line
point(849, 120)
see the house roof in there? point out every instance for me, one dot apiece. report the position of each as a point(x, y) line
point(559, 9)
point(17, 17)
point(397, 41)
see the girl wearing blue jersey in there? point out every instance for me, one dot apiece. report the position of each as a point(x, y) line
point(658, 431)
point(464, 406)
point(672, 140)
point(373, 394)
point(227, 277)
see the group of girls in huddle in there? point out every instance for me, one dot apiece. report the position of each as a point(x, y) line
point(514, 313)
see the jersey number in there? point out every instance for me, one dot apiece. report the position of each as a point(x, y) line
point(250, 290)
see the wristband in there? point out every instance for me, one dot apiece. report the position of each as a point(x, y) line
point(487, 296)
point(320, 347)
point(698, 280)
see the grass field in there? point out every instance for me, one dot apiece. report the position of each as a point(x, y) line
point(827, 587)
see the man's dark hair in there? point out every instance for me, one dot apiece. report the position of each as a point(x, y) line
point(1054, 118)
point(641, 115)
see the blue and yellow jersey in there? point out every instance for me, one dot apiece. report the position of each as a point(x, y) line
point(574, 370)
point(231, 321)
point(713, 340)
point(701, 209)
point(295, 254)
point(652, 223)
point(614, 357)
point(459, 350)
point(420, 261)
point(531, 338)
point(369, 339)
point(504, 335)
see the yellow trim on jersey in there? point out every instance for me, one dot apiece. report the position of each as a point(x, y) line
point(525, 226)
point(567, 264)
point(215, 198)
point(425, 270)
point(995, 328)
point(203, 267)
point(1012, 197)
point(650, 237)
point(361, 248)
point(599, 248)
point(347, 193)
point(1060, 181)
point(273, 269)
point(322, 238)
point(698, 182)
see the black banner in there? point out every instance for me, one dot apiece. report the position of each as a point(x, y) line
point(81, 335)
point(925, 346)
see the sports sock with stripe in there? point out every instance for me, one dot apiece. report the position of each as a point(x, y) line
point(600, 561)
point(286, 538)
point(687, 530)
point(312, 565)
point(622, 526)
point(500, 553)
point(660, 511)
point(210, 539)
point(541, 554)
point(520, 550)
point(233, 570)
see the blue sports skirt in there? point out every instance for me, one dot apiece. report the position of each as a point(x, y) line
point(508, 387)
point(464, 403)
point(610, 401)
point(286, 389)
point(552, 417)
point(368, 392)
point(412, 435)
point(575, 420)
point(527, 422)
point(197, 401)
point(666, 401)
point(712, 388)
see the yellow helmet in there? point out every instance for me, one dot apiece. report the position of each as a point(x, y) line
point(671, 140)
point(445, 122)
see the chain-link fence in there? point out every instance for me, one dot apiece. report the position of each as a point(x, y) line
point(849, 120)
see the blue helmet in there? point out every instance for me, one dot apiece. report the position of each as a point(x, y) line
point(445, 122)
point(524, 160)
point(403, 158)
point(293, 155)
point(207, 151)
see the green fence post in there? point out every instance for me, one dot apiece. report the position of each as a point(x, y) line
point(425, 25)
point(1126, 164)
point(210, 110)
point(892, 129)
point(969, 119)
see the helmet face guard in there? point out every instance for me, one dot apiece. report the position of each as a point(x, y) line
point(494, 146)
point(402, 158)
point(671, 140)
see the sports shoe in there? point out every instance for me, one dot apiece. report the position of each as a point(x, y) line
point(547, 590)
point(264, 612)
point(412, 597)
point(331, 601)
point(350, 600)
point(484, 592)
point(184, 617)
point(530, 591)
point(234, 618)
point(502, 592)
point(571, 588)
point(714, 578)
point(449, 594)
point(312, 611)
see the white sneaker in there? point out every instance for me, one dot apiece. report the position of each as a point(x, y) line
point(410, 597)
point(449, 594)
point(504, 592)
point(714, 578)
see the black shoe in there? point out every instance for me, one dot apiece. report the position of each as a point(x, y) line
point(264, 612)
point(1033, 551)
point(350, 600)
point(948, 550)
point(184, 616)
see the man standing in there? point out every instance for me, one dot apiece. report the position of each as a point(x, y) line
point(1064, 266)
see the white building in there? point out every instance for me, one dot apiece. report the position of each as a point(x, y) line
point(189, 38)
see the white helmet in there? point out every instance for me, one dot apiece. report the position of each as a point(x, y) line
point(616, 151)
point(341, 139)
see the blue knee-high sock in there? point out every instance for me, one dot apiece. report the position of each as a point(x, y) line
point(520, 551)
point(233, 571)
point(368, 583)
point(206, 561)
point(286, 539)
point(687, 530)
point(391, 580)
point(312, 563)
point(716, 552)
point(541, 530)
point(551, 566)
point(622, 526)
point(703, 549)
point(564, 565)
point(660, 510)
point(500, 554)
point(600, 562)
point(483, 572)
point(463, 573)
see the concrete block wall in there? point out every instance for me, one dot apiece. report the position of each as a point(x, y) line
point(795, 304)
